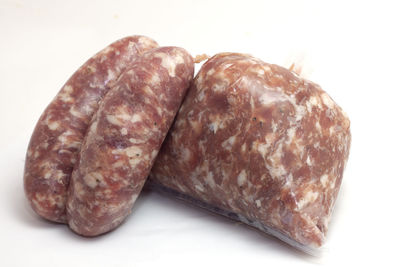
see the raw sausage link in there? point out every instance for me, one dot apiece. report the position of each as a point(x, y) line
point(256, 143)
point(124, 138)
point(57, 138)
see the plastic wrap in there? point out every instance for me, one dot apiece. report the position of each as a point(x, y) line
point(258, 144)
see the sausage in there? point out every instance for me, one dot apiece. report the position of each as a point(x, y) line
point(124, 138)
point(258, 144)
point(57, 137)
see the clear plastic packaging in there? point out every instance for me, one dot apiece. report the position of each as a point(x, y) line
point(258, 144)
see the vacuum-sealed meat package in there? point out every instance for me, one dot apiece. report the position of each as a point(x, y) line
point(259, 144)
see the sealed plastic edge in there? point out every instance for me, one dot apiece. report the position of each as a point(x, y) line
point(316, 252)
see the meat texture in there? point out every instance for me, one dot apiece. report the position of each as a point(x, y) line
point(255, 142)
point(124, 138)
point(57, 137)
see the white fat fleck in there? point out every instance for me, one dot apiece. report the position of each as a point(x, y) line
point(113, 120)
point(313, 101)
point(124, 131)
point(155, 80)
point(243, 147)
point(92, 68)
point(300, 112)
point(263, 148)
point(213, 126)
point(159, 110)
point(268, 99)
point(39, 197)
point(216, 124)
point(64, 139)
point(289, 182)
point(58, 176)
point(210, 72)
point(309, 163)
point(260, 72)
point(135, 141)
point(110, 75)
point(147, 90)
point(169, 62)
point(225, 66)
point(93, 179)
point(133, 151)
point(200, 96)
point(274, 126)
point(252, 103)
point(277, 171)
point(327, 100)
point(65, 94)
point(97, 83)
point(179, 58)
point(118, 164)
point(221, 75)
point(134, 154)
point(258, 203)
point(218, 87)
point(228, 143)
point(333, 183)
point(290, 135)
point(79, 190)
point(88, 109)
point(121, 118)
point(310, 196)
point(186, 154)
point(266, 68)
point(199, 187)
point(68, 89)
point(242, 177)
point(331, 130)
point(53, 125)
point(317, 145)
point(318, 126)
point(324, 180)
point(75, 112)
point(136, 118)
point(210, 179)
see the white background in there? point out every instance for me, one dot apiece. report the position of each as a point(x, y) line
point(350, 48)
